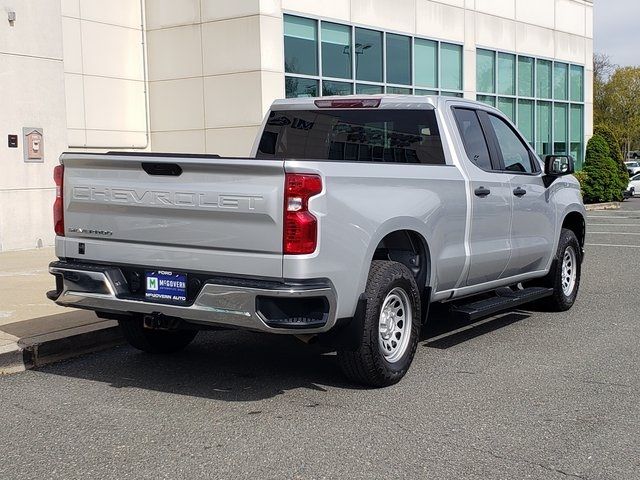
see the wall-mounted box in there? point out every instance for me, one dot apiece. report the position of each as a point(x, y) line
point(33, 141)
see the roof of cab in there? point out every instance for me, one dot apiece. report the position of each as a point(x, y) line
point(386, 101)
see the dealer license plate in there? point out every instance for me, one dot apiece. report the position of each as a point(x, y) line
point(163, 286)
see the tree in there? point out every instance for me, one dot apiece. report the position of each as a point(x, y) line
point(600, 179)
point(617, 104)
point(603, 68)
point(615, 152)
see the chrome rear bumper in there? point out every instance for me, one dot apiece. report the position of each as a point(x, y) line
point(105, 289)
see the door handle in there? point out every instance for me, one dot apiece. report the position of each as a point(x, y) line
point(519, 192)
point(482, 192)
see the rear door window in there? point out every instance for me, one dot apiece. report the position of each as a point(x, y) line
point(380, 135)
point(475, 143)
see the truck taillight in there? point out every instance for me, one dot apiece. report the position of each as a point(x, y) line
point(58, 205)
point(300, 226)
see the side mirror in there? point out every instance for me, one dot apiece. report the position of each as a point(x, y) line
point(558, 165)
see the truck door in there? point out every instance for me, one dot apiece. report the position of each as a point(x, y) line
point(491, 199)
point(534, 215)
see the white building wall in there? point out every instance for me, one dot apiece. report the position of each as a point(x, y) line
point(104, 73)
point(212, 65)
point(31, 81)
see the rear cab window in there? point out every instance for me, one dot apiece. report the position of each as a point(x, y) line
point(475, 143)
point(353, 135)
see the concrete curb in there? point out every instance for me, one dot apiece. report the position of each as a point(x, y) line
point(602, 206)
point(43, 348)
point(11, 359)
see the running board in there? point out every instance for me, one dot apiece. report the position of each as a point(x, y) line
point(505, 299)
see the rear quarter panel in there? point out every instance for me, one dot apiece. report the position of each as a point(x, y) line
point(362, 202)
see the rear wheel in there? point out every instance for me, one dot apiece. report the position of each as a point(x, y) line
point(155, 341)
point(391, 327)
point(564, 277)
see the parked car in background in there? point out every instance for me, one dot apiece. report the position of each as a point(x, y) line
point(634, 154)
point(633, 168)
point(634, 185)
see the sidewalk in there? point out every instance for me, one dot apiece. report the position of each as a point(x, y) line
point(35, 331)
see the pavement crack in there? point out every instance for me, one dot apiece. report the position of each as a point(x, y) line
point(529, 462)
point(597, 382)
point(548, 468)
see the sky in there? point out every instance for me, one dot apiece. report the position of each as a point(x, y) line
point(616, 25)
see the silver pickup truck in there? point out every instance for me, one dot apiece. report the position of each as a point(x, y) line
point(352, 216)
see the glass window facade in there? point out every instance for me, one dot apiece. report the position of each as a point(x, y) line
point(300, 46)
point(506, 74)
point(301, 87)
point(451, 77)
point(544, 98)
point(425, 61)
point(525, 76)
point(398, 59)
point(330, 87)
point(543, 73)
point(486, 71)
point(328, 58)
point(577, 83)
point(336, 50)
point(368, 55)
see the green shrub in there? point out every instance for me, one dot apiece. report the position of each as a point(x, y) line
point(601, 182)
point(615, 152)
point(581, 177)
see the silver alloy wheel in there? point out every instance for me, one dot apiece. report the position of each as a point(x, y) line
point(396, 319)
point(569, 271)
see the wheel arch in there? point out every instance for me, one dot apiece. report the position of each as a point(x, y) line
point(576, 222)
point(405, 245)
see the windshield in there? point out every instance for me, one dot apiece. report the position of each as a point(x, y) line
point(380, 135)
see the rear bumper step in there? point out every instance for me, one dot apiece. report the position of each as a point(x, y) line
point(275, 307)
point(504, 300)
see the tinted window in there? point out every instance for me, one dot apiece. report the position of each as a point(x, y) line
point(451, 66)
point(398, 59)
point(336, 50)
point(515, 155)
point(368, 51)
point(336, 88)
point(473, 138)
point(380, 135)
point(425, 61)
point(300, 45)
point(300, 87)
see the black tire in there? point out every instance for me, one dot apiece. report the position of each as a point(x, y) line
point(560, 301)
point(155, 341)
point(367, 365)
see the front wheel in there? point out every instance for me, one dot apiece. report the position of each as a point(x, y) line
point(155, 341)
point(564, 277)
point(391, 327)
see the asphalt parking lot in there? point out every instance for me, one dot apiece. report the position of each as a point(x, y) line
point(522, 395)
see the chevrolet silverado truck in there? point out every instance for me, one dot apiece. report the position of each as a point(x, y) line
point(352, 215)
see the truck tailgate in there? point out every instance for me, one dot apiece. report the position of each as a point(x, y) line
point(224, 211)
